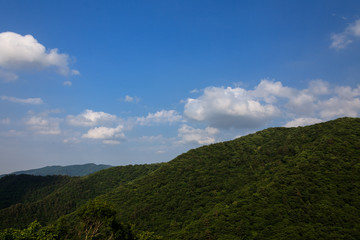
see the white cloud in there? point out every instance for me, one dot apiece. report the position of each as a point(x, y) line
point(75, 72)
point(339, 107)
point(189, 134)
point(111, 142)
point(302, 122)
point(269, 90)
point(130, 99)
point(239, 108)
point(67, 83)
point(343, 39)
point(105, 133)
point(32, 101)
point(90, 118)
point(25, 52)
point(43, 125)
point(229, 107)
point(162, 116)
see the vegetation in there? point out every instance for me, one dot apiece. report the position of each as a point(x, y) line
point(280, 183)
point(26, 188)
point(67, 197)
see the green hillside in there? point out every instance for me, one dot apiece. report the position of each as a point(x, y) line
point(64, 199)
point(26, 188)
point(279, 183)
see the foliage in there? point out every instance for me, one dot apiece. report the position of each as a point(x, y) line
point(98, 221)
point(47, 206)
point(33, 231)
point(279, 183)
point(25, 188)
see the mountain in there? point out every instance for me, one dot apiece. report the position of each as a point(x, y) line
point(46, 204)
point(26, 188)
point(279, 183)
point(72, 170)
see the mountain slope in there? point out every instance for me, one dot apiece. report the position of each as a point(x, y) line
point(68, 196)
point(71, 170)
point(279, 183)
point(25, 188)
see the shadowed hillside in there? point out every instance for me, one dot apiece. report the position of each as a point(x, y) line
point(50, 205)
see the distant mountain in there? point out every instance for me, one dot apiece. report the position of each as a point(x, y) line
point(279, 183)
point(72, 170)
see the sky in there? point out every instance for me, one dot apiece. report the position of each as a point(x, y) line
point(133, 82)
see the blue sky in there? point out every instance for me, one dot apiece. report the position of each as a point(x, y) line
point(130, 82)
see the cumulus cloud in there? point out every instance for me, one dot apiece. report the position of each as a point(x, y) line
point(343, 39)
point(189, 134)
point(32, 101)
point(339, 107)
point(229, 107)
point(239, 108)
point(105, 133)
point(89, 118)
point(25, 52)
point(44, 125)
point(163, 116)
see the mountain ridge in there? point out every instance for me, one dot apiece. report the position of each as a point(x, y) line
point(278, 183)
point(69, 170)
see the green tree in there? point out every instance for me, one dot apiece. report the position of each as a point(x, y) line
point(98, 221)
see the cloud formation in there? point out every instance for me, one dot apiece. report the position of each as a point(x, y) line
point(32, 101)
point(343, 39)
point(239, 108)
point(229, 107)
point(188, 134)
point(89, 118)
point(163, 116)
point(43, 125)
point(131, 99)
point(105, 133)
point(18, 52)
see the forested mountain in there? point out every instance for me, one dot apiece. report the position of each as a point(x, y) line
point(48, 204)
point(279, 183)
point(26, 188)
point(71, 170)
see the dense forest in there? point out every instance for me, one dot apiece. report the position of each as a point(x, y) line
point(279, 183)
